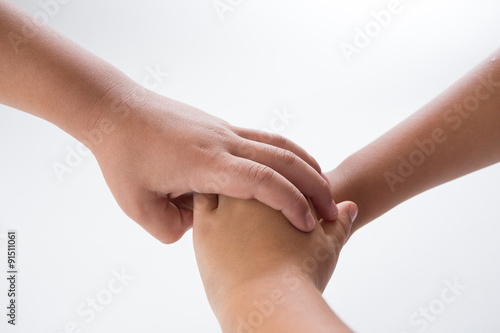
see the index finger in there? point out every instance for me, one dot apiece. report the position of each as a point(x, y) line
point(279, 141)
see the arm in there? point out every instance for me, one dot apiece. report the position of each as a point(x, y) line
point(152, 150)
point(271, 303)
point(262, 275)
point(456, 134)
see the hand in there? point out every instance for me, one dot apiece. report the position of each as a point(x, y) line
point(158, 151)
point(153, 151)
point(239, 243)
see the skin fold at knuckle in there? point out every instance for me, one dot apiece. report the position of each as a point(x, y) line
point(286, 156)
point(343, 229)
point(299, 205)
point(260, 175)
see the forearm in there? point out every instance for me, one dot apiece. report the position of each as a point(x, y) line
point(47, 75)
point(280, 302)
point(456, 134)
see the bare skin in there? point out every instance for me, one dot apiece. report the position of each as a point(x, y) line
point(154, 152)
point(249, 258)
point(252, 260)
point(457, 133)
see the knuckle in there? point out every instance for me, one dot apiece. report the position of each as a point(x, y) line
point(233, 168)
point(221, 175)
point(344, 229)
point(209, 178)
point(286, 156)
point(261, 174)
point(246, 149)
point(206, 152)
point(298, 200)
point(223, 134)
point(325, 188)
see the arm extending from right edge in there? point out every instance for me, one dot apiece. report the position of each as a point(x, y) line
point(456, 134)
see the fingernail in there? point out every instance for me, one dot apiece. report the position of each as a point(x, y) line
point(310, 221)
point(335, 210)
point(353, 212)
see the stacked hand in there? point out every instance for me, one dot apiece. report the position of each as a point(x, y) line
point(154, 152)
point(163, 150)
point(249, 254)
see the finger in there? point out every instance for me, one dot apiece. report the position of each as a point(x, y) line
point(278, 141)
point(246, 179)
point(184, 201)
point(299, 173)
point(204, 203)
point(163, 220)
point(341, 227)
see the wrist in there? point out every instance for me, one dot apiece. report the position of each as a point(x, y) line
point(109, 111)
point(259, 280)
point(263, 300)
point(352, 181)
point(361, 178)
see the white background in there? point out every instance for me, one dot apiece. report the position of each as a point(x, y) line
point(264, 55)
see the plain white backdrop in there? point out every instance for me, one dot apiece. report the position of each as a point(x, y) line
point(262, 57)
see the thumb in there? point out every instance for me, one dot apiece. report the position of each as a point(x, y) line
point(204, 203)
point(165, 221)
point(341, 227)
